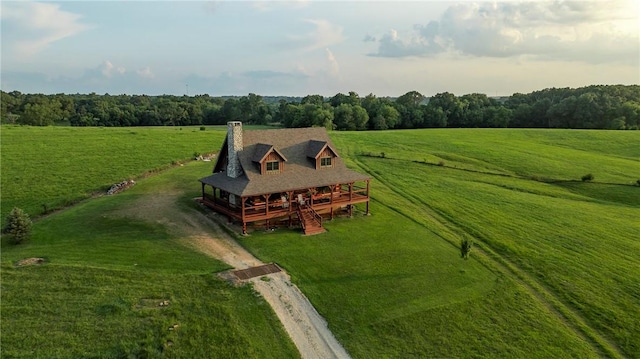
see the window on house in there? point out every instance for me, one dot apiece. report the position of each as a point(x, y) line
point(325, 162)
point(273, 167)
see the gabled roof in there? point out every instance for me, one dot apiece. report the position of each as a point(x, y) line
point(294, 144)
point(263, 150)
point(315, 148)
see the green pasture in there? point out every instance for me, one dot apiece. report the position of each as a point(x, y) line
point(390, 287)
point(611, 156)
point(577, 241)
point(553, 273)
point(45, 168)
point(106, 271)
point(563, 253)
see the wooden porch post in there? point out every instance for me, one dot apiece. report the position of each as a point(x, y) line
point(368, 198)
point(203, 191)
point(290, 199)
point(242, 214)
point(350, 199)
point(331, 188)
point(266, 210)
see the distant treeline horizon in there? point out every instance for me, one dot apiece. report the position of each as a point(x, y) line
point(615, 107)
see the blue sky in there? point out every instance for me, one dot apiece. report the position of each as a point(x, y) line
point(298, 48)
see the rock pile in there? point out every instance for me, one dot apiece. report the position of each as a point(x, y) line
point(119, 187)
point(205, 158)
point(29, 261)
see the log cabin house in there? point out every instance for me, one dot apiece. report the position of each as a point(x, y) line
point(282, 177)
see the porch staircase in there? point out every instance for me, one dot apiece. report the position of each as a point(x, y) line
point(310, 220)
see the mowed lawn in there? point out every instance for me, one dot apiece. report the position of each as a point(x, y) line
point(107, 270)
point(578, 241)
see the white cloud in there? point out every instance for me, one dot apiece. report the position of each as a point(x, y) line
point(108, 69)
point(586, 31)
point(334, 67)
point(29, 27)
point(369, 38)
point(269, 5)
point(146, 73)
point(212, 7)
point(323, 35)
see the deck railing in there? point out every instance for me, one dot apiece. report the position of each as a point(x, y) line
point(315, 214)
point(302, 224)
point(258, 212)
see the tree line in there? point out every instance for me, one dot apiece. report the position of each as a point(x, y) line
point(591, 107)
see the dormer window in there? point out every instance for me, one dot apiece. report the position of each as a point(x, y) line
point(322, 154)
point(273, 166)
point(268, 159)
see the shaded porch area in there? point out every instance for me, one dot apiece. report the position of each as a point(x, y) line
point(281, 208)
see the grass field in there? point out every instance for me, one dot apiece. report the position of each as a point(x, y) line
point(45, 168)
point(554, 270)
point(106, 271)
point(567, 250)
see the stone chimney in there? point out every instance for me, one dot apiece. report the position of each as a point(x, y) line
point(234, 145)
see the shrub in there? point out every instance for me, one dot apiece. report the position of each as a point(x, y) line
point(587, 178)
point(465, 248)
point(18, 227)
point(441, 163)
point(638, 182)
point(202, 128)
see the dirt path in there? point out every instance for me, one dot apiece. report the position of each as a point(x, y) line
point(305, 326)
point(307, 329)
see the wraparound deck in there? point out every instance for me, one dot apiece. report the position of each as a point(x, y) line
point(283, 205)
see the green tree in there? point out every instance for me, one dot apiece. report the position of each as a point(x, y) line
point(343, 117)
point(387, 117)
point(291, 115)
point(465, 248)
point(349, 117)
point(312, 99)
point(9, 106)
point(630, 111)
point(434, 117)
point(411, 99)
point(231, 110)
point(18, 226)
point(452, 107)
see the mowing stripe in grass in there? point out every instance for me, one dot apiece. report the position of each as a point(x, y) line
point(497, 262)
point(538, 290)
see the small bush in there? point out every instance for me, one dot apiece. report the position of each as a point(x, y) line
point(638, 182)
point(587, 178)
point(441, 163)
point(382, 154)
point(18, 227)
point(465, 248)
point(202, 128)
